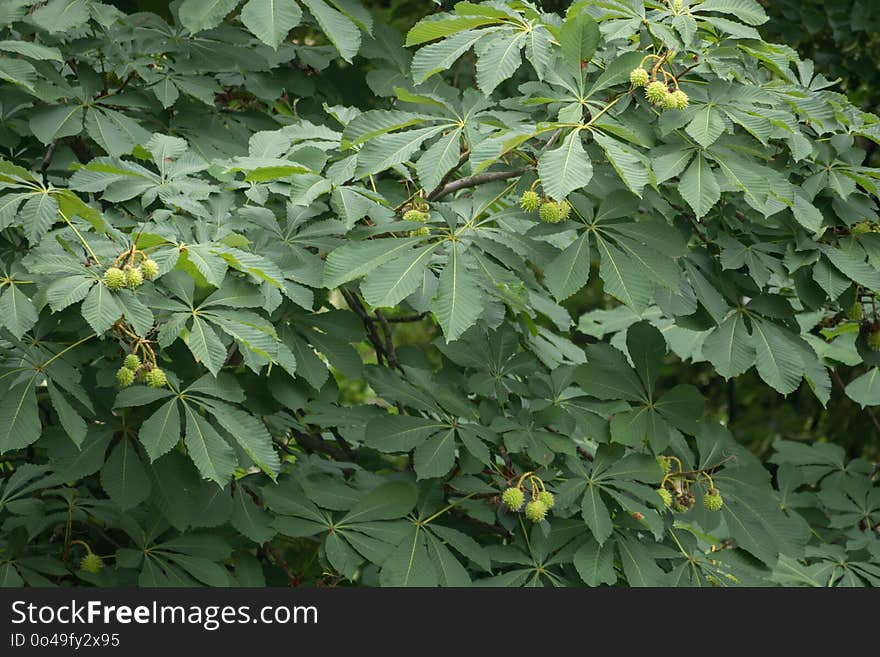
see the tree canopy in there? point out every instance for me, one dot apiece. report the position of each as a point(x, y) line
point(311, 291)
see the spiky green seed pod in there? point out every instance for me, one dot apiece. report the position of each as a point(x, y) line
point(513, 498)
point(676, 5)
point(638, 77)
point(550, 213)
point(529, 201)
point(420, 232)
point(150, 269)
point(681, 99)
point(91, 563)
point(132, 362)
point(861, 227)
point(656, 92)
point(156, 378)
point(665, 463)
point(712, 500)
point(666, 496)
point(669, 102)
point(536, 510)
point(114, 278)
point(564, 209)
point(855, 312)
point(873, 340)
point(133, 277)
point(415, 215)
point(124, 377)
point(546, 497)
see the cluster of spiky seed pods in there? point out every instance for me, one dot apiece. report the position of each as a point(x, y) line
point(675, 488)
point(130, 269)
point(418, 213)
point(661, 86)
point(549, 211)
point(540, 500)
point(132, 368)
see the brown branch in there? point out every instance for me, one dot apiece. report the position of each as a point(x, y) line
point(473, 181)
point(124, 83)
point(47, 159)
point(407, 318)
point(389, 343)
point(358, 308)
point(313, 443)
point(278, 558)
point(445, 179)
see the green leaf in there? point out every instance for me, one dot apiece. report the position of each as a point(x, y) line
point(595, 514)
point(439, 57)
point(271, 20)
point(566, 168)
point(206, 346)
point(61, 15)
point(699, 187)
point(341, 31)
point(747, 11)
point(616, 72)
point(400, 433)
point(100, 309)
point(70, 420)
point(498, 58)
point(865, 390)
point(729, 347)
point(17, 312)
point(578, 39)
point(389, 284)
point(432, 28)
point(199, 15)
point(251, 435)
point(439, 159)
point(458, 303)
point(622, 277)
point(630, 165)
point(355, 259)
point(124, 476)
point(212, 455)
point(706, 126)
point(436, 456)
point(568, 272)
point(32, 50)
point(161, 431)
point(595, 563)
point(778, 361)
point(391, 500)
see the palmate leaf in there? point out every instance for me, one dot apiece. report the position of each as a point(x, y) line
point(390, 283)
point(729, 347)
point(566, 168)
point(271, 20)
point(569, 271)
point(19, 417)
point(699, 187)
point(341, 30)
point(197, 15)
point(211, 454)
point(458, 302)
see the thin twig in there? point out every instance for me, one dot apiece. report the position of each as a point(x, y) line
point(473, 181)
point(408, 318)
point(389, 343)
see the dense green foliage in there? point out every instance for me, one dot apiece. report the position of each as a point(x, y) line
point(291, 296)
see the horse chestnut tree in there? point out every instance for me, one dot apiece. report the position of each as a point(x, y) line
point(288, 295)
